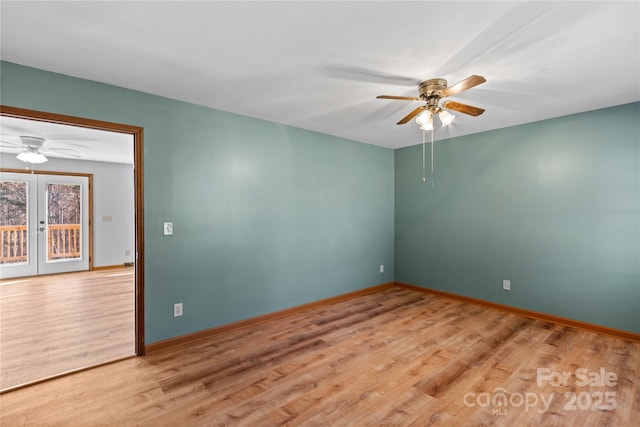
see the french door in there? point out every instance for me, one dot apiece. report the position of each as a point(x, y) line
point(44, 224)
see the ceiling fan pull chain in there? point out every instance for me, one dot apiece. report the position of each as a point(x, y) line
point(424, 173)
point(432, 159)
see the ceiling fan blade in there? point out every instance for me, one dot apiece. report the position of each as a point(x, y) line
point(62, 151)
point(463, 108)
point(465, 84)
point(412, 114)
point(362, 74)
point(404, 98)
point(507, 27)
point(11, 144)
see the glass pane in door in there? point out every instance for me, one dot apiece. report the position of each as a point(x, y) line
point(64, 222)
point(14, 237)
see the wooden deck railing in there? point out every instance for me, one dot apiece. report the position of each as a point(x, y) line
point(13, 244)
point(64, 242)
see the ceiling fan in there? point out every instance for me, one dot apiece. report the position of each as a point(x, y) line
point(33, 149)
point(432, 91)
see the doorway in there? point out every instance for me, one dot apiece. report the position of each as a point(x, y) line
point(45, 227)
point(75, 252)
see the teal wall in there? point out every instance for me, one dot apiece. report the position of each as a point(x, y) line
point(554, 206)
point(265, 216)
point(268, 216)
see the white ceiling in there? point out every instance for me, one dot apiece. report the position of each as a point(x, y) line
point(320, 65)
point(89, 144)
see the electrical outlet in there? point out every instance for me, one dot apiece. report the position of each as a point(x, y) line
point(168, 228)
point(381, 268)
point(177, 309)
point(506, 285)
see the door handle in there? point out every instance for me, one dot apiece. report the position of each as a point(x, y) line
point(41, 229)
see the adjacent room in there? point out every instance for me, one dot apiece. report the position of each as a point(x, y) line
point(67, 289)
point(338, 213)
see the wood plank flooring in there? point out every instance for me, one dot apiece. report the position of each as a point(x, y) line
point(397, 357)
point(54, 324)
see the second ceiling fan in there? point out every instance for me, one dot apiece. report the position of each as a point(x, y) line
point(432, 92)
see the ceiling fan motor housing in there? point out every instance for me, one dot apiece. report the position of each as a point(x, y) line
point(432, 87)
point(32, 141)
point(432, 91)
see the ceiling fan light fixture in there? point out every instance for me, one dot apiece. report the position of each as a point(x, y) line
point(30, 156)
point(446, 117)
point(425, 120)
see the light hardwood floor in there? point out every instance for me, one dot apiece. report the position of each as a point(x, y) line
point(394, 357)
point(54, 324)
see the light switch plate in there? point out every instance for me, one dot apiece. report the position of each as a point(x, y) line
point(168, 228)
point(177, 309)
